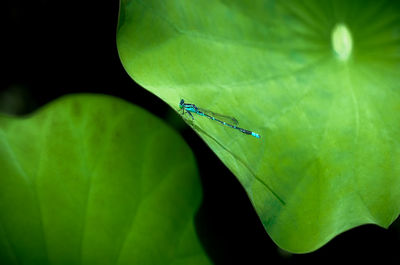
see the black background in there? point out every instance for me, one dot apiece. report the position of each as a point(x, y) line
point(53, 48)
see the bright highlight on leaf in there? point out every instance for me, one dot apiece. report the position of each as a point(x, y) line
point(342, 42)
point(91, 179)
point(329, 156)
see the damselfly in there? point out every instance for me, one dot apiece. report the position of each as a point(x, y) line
point(231, 122)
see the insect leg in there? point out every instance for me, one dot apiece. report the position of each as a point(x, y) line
point(190, 114)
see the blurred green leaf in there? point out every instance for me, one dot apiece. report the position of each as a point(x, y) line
point(318, 80)
point(91, 179)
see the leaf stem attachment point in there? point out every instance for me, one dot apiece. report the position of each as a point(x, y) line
point(342, 42)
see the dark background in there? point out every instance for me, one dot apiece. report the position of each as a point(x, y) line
point(53, 48)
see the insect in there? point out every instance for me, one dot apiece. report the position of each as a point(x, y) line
point(231, 122)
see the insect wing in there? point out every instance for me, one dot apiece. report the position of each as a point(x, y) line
point(221, 117)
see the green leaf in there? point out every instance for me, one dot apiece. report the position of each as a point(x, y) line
point(318, 80)
point(91, 179)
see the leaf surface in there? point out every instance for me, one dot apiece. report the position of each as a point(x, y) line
point(318, 80)
point(91, 179)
